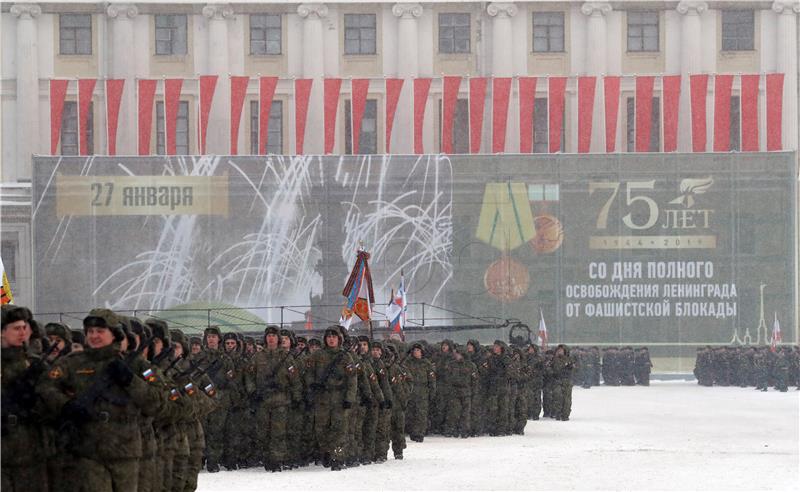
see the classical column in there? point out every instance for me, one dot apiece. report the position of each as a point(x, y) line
point(596, 65)
point(786, 46)
point(313, 68)
point(123, 67)
point(27, 112)
point(408, 69)
point(691, 63)
point(218, 133)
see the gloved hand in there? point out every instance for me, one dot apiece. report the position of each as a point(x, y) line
point(120, 373)
point(386, 404)
point(347, 405)
point(72, 411)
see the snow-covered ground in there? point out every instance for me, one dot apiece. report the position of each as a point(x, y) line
point(671, 435)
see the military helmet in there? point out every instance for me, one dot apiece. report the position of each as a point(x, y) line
point(104, 318)
point(60, 330)
point(160, 329)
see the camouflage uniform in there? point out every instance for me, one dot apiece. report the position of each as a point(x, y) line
point(423, 378)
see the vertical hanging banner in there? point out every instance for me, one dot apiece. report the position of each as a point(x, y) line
point(698, 88)
point(556, 87)
point(331, 90)
point(58, 92)
point(774, 111)
point(644, 112)
point(671, 90)
point(586, 90)
point(611, 102)
point(208, 84)
point(393, 88)
point(421, 89)
point(114, 88)
point(359, 88)
point(527, 100)
point(450, 86)
point(749, 112)
point(722, 112)
point(238, 93)
point(477, 101)
point(302, 92)
point(501, 93)
point(266, 93)
point(85, 93)
point(172, 99)
point(147, 93)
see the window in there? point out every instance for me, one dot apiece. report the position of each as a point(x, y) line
point(274, 128)
point(541, 130)
point(460, 127)
point(736, 131)
point(75, 34)
point(368, 140)
point(738, 30)
point(181, 129)
point(548, 32)
point(454, 33)
point(171, 35)
point(642, 31)
point(655, 125)
point(359, 34)
point(265, 34)
point(69, 129)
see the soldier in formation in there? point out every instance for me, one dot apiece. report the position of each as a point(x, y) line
point(761, 367)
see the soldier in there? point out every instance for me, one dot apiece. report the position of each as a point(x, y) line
point(462, 374)
point(331, 383)
point(498, 383)
point(535, 382)
point(269, 385)
point(477, 356)
point(22, 452)
point(440, 400)
point(371, 406)
point(518, 407)
point(383, 428)
point(780, 370)
point(400, 381)
point(233, 448)
point(642, 366)
point(627, 367)
point(97, 393)
point(423, 379)
point(610, 367)
point(221, 370)
point(60, 336)
point(562, 367)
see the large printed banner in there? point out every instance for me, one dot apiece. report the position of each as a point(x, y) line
point(671, 248)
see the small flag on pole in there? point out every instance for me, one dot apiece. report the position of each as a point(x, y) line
point(358, 291)
point(542, 331)
point(5, 288)
point(776, 334)
point(396, 310)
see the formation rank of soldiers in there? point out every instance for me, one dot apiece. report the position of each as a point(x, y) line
point(760, 366)
point(127, 405)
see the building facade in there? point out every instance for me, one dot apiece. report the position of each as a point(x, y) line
point(374, 41)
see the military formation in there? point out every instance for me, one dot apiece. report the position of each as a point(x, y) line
point(761, 367)
point(132, 405)
point(615, 366)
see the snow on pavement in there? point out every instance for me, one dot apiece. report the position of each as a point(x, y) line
point(671, 435)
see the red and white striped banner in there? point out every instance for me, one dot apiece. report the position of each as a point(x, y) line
point(58, 93)
point(774, 111)
point(172, 99)
point(556, 88)
point(671, 91)
point(611, 99)
point(238, 93)
point(147, 94)
point(266, 93)
point(302, 93)
point(421, 89)
point(393, 89)
point(644, 112)
point(586, 91)
point(114, 88)
point(450, 86)
point(477, 102)
point(749, 112)
point(501, 93)
point(208, 84)
point(527, 103)
point(359, 89)
point(331, 90)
